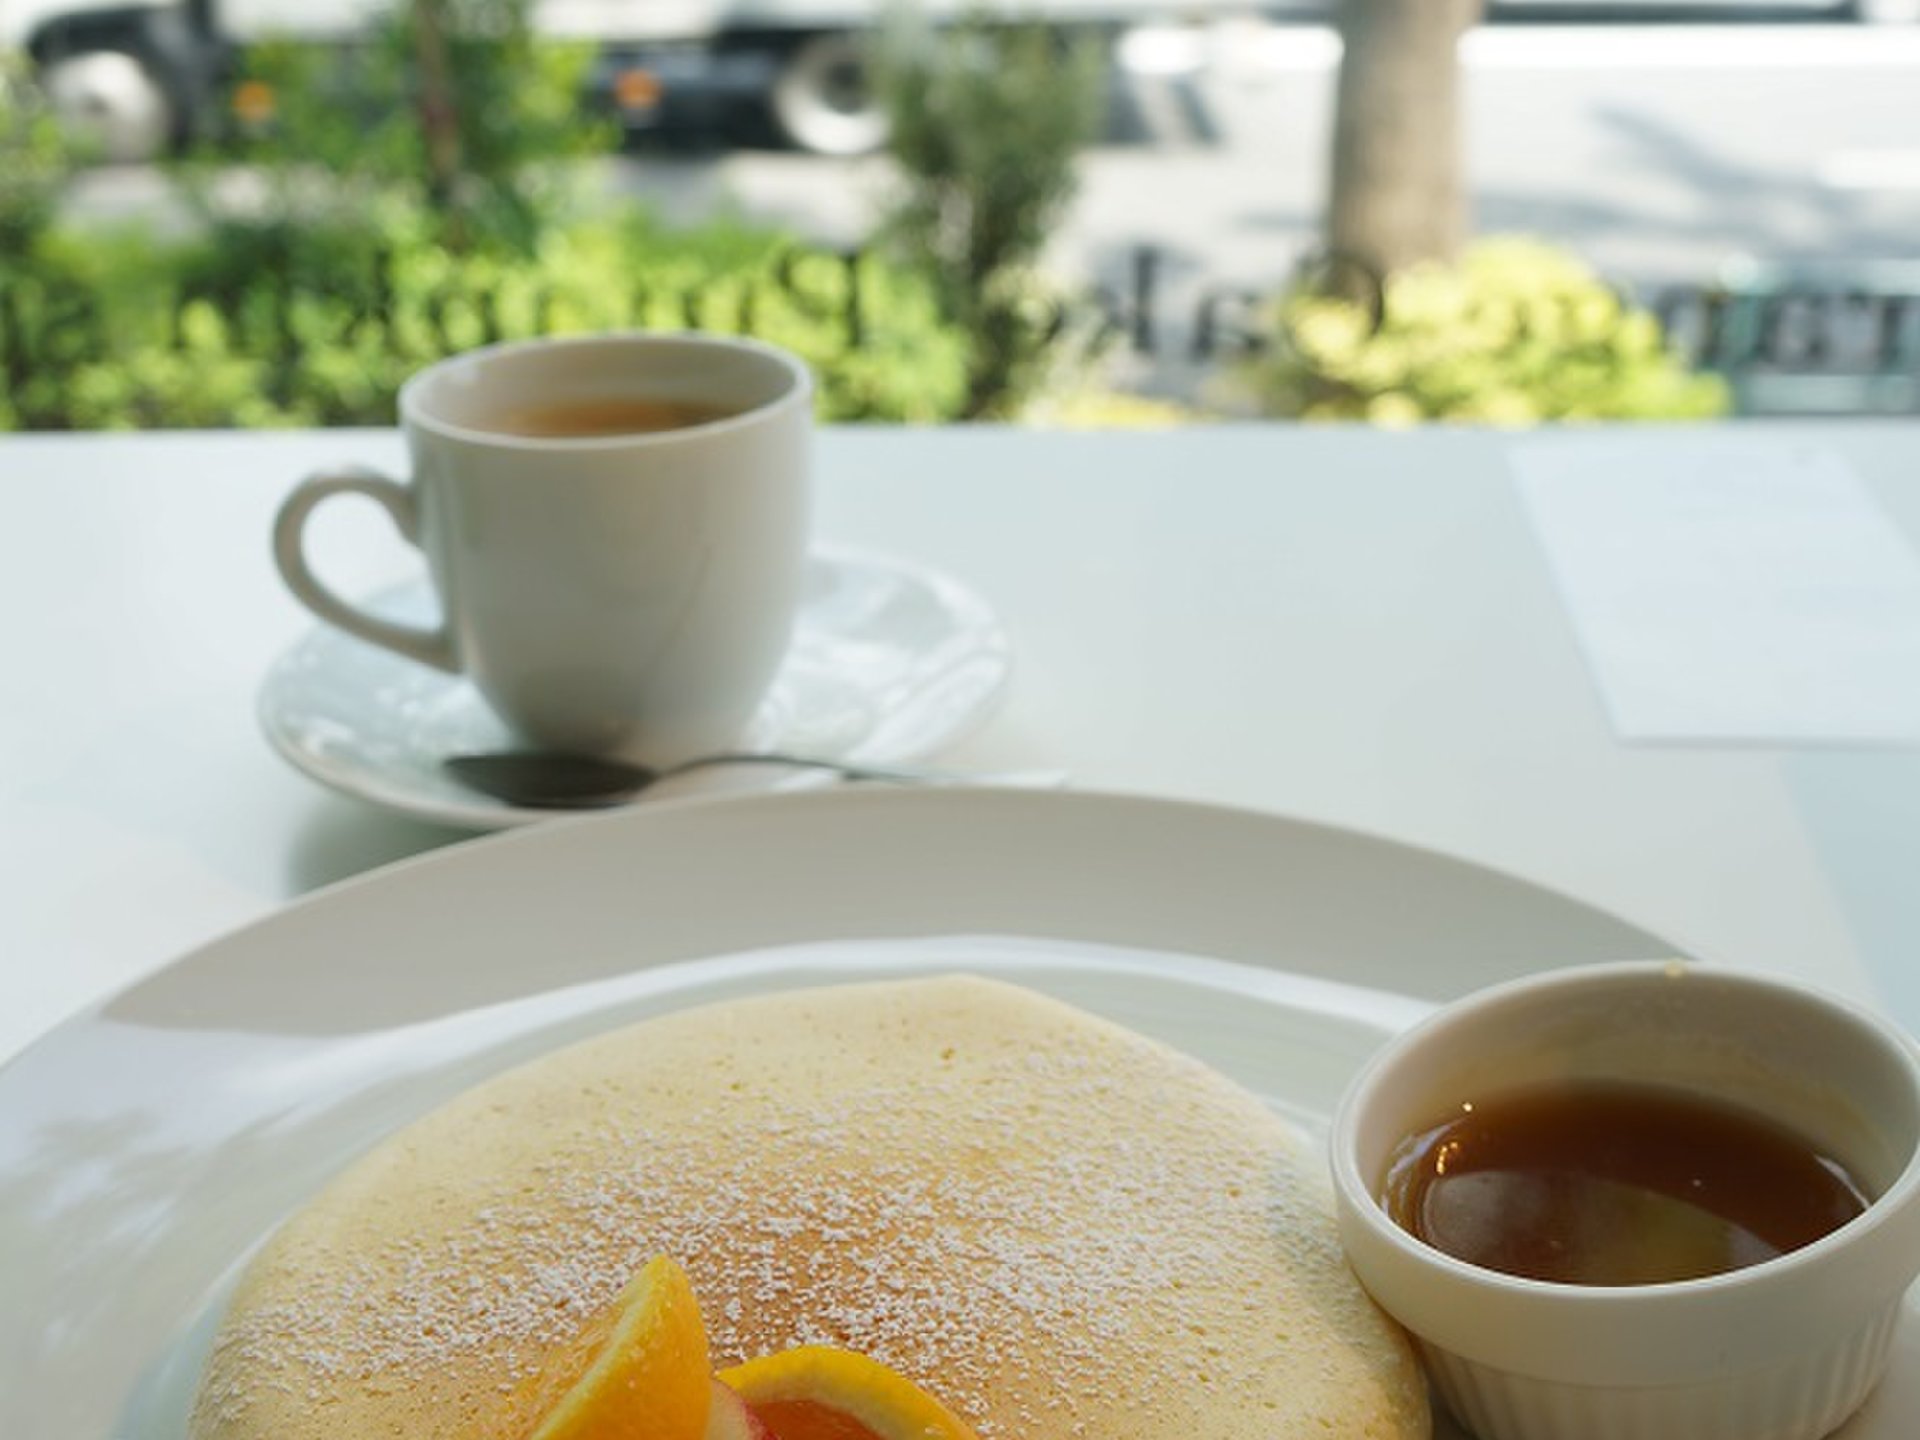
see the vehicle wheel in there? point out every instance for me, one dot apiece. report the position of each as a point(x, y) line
point(110, 104)
point(823, 99)
point(1889, 12)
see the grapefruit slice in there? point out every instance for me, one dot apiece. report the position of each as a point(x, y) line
point(817, 1392)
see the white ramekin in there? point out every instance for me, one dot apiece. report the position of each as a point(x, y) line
point(1785, 1350)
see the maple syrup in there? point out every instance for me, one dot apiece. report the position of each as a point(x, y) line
point(1615, 1184)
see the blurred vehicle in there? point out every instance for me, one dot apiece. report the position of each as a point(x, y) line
point(135, 77)
point(126, 78)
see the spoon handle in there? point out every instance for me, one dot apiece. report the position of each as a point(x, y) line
point(541, 780)
point(857, 770)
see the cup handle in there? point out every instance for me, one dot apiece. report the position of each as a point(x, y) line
point(429, 647)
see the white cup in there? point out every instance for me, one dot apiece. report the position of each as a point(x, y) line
point(628, 594)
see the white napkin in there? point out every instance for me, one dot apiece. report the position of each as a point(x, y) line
point(1740, 589)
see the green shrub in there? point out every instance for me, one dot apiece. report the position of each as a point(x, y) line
point(1517, 333)
point(451, 111)
point(986, 123)
point(359, 254)
point(289, 324)
point(34, 159)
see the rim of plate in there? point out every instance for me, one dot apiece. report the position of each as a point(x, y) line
point(1106, 813)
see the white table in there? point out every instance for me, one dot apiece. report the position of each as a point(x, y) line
point(1335, 624)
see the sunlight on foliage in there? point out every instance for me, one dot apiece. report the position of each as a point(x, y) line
point(321, 325)
point(1519, 332)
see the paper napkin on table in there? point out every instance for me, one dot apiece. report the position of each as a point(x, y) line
point(1739, 589)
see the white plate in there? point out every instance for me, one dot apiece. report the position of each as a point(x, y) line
point(890, 661)
point(147, 1147)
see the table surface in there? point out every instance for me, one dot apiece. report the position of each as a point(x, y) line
point(1335, 624)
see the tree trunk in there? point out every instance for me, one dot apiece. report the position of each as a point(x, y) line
point(1398, 195)
point(439, 116)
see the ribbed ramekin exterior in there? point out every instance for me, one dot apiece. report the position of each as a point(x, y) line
point(1803, 1398)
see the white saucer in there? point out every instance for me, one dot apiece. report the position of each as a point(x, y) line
point(890, 661)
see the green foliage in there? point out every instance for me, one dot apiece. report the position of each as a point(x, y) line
point(319, 325)
point(1517, 333)
point(350, 261)
point(351, 131)
point(986, 124)
point(353, 256)
point(34, 159)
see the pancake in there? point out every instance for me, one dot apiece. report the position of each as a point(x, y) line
point(1059, 1227)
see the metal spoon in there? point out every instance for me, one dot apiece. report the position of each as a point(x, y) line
point(551, 780)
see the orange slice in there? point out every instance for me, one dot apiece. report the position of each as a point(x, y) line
point(641, 1367)
point(819, 1393)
